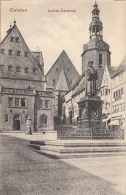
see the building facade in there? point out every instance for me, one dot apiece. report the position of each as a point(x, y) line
point(118, 112)
point(23, 89)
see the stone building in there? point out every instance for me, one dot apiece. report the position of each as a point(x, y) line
point(96, 50)
point(23, 89)
point(61, 77)
point(118, 99)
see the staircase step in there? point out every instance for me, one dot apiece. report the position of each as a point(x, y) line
point(56, 155)
point(85, 143)
point(61, 149)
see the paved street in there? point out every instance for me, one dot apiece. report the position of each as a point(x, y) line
point(25, 172)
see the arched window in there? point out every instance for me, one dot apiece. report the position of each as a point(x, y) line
point(100, 60)
point(43, 119)
point(6, 118)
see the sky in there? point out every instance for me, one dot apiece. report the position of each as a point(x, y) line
point(53, 32)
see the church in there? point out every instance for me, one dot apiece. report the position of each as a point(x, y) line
point(60, 79)
point(23, 91)
point(97, 51)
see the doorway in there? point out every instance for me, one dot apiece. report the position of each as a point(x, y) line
point(16, 122)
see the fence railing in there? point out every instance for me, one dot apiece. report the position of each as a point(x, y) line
point(68, 132)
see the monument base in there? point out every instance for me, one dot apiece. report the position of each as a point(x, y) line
point(90, 113)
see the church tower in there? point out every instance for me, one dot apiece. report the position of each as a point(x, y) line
point(96, 49)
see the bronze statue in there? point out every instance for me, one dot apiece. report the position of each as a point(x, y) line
point(91, 77)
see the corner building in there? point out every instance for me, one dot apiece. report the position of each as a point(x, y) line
point(23, 89)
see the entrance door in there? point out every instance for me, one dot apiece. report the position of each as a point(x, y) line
point(16, 122)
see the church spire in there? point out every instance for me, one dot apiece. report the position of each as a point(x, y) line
point(95, 27)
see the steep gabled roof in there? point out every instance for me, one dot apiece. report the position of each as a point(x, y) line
point(33, 58)
point(70, 72)
point(62, 82)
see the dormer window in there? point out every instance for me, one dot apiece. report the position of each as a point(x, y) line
point(18, 69)
point(26, 54)
point(17, 39)
point(2, 51)
point(10, 52)
point(12, 39)
point(18, 53)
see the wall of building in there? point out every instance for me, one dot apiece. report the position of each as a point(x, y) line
point(13, 110)
point(119, 97)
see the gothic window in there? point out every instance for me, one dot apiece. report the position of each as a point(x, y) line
point(10, 68)
point(68, 69)
point(46, 104)
point(17, 102)
point(18, 69)
point(23, 102)
point(6, 118)
point(100, 60)
point(57, 69)
point(26, 54)
point(18, 53)
point(43, 121)
point(10, 52)
point(17, 39)
point(10, 101)
point(41, 104)
point(2, 51)
point(12, 39)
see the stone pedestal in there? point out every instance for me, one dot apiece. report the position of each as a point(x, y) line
point(90, 113)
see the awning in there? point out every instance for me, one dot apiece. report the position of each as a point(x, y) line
point(115, 122)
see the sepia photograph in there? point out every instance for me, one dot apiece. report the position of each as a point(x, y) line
point(63, 97)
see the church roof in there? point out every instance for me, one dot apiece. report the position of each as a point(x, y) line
point(63, 63)
point(81, 86)
point(62, 82)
